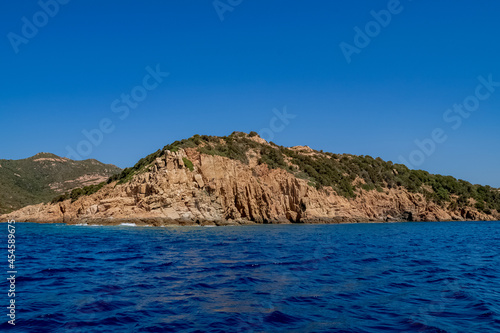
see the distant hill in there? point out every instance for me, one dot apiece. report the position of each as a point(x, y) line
point(41, 177)
point(241, 178)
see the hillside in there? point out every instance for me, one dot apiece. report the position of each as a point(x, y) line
point(41, 177)
point(242, 178)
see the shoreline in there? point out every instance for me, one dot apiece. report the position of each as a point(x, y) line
point(161, 222)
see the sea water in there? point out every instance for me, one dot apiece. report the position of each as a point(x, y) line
point(389, 277)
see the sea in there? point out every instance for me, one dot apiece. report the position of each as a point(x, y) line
point(373, 277)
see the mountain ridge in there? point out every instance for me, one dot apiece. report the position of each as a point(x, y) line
point(40, 177)
point(241, 179)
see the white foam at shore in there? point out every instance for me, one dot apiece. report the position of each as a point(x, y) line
point(128, 224)
point(89, 225)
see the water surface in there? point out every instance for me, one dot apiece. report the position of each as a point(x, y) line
point(397, 277)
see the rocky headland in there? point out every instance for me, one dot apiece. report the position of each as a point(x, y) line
point(242, 179)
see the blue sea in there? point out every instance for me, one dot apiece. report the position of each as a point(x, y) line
point(389, 277)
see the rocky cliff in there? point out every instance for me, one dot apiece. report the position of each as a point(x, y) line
point(187, 186)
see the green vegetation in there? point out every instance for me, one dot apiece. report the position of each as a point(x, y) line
point(234, 146)
point(272, 157)
point(188, 164)
point(78, 192)
point(140, 166)
point(41, 177)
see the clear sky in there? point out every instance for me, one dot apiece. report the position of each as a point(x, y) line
point(70, 69)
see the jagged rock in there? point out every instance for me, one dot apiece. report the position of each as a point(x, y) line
point(92, 210)
point(199, 180)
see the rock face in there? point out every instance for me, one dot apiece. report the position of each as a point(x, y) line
point(222, 191)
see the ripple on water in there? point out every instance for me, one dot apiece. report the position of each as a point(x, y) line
point(401, 277)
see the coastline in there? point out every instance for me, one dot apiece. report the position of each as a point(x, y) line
point(219, 190)
point(166, 222)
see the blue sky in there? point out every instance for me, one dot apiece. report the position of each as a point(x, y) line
point(229, 75)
